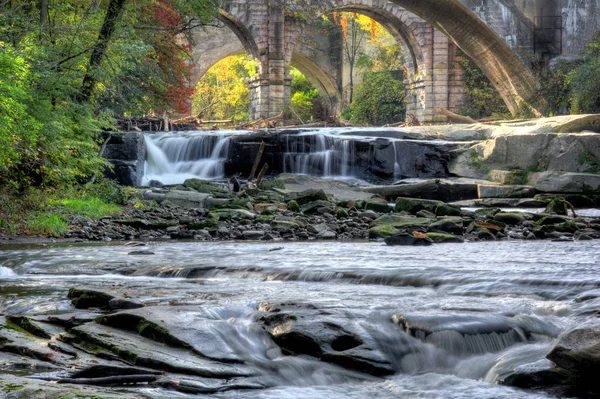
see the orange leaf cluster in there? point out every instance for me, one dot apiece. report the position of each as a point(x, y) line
point(374, 27)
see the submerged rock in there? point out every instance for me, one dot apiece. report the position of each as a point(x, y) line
point(407, 239)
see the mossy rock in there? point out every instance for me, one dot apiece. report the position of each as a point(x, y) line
point(414, 205)
point(447, 210)
point(83, 298)
point(202, 225)
point(400, 221)
point(342, 213)
point(452, 224)
point(558, 206)
point(307, 196)
point(439, 238)
point(378, 205)
point(426, 214)
point(383, 231)
point(550, 220)
point(159, 225)
point(203, 186)
point(271, 184)
point(314, 206)
point(487, 212)
point(567, 227)
point(510, 218)
point(294, 206)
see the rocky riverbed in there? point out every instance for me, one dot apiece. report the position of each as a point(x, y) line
point(303, 319)
point(288, 209)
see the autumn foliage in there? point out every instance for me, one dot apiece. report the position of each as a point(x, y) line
point(173, 52)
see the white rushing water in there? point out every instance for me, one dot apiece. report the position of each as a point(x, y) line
point(319, 154)
point(173, 158)
point(465, 315)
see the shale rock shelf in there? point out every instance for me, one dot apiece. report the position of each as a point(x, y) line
point(230, 320)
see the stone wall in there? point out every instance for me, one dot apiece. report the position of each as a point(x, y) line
point(127, 154)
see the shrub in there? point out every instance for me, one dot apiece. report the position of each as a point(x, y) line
point(379, 99)
point(483, 99)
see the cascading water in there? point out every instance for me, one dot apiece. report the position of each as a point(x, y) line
point(319, 154)
point(171, 159)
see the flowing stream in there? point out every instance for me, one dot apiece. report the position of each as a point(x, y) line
point(496, 305)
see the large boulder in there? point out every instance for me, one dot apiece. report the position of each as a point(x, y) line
point(414, 205)
point(452, 225)
point(578, 351)
point(330, 335)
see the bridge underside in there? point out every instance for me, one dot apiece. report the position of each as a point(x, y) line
point(429, 32)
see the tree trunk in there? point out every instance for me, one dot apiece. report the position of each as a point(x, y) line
point(43, 19)
point(43, 13)
point(115, 9)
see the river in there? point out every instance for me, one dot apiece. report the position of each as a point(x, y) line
point(363, 284)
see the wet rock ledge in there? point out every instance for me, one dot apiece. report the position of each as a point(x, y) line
point(296, 208)
point(196, 349)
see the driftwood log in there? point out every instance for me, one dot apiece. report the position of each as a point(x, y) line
point(441, 190)
point(456, 117)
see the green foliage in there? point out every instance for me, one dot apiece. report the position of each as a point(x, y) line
point(223, 92)
point(46, 224)
point(379, 99)
point(47, 212)
point(484, 100)
point(305, 98)
point(519, 177)
point(557, 88)
point(586, 158)
point(347, 114)
point(585, 80)
point(90, 207)
point(47, 134)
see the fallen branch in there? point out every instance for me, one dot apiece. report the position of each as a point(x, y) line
point(264, 170)
point(261, 149)
point(456, 117)
point(567, 203)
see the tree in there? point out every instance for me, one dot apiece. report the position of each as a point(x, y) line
point(67, 67)
point(223, 92)
point(115, 9)
point(354, 36)
point(379, 99)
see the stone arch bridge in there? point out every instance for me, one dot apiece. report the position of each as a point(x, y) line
point(282, 33)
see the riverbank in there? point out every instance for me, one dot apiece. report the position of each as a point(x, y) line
point(303, 208)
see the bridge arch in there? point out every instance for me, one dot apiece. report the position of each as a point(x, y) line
point(505, 70)
point(512, 79)
point(323, 82)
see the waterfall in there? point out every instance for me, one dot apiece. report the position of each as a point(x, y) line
point(171, 159)
point(397, 171)
point(319, 154)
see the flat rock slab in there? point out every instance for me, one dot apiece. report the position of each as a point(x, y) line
point(145, 352)
point(186, 326)
point(338, 189)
